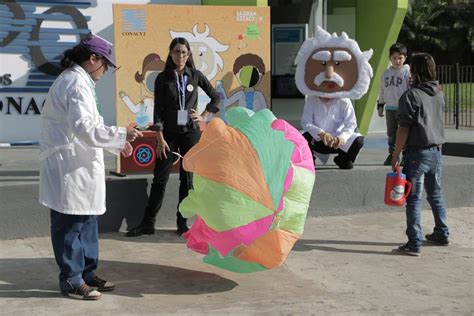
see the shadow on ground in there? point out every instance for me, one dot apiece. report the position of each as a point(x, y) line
point(315, 244)
point(36, 277)
point(161, 236)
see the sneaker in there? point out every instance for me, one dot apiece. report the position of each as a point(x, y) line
point(140, 230)
point(409, 251)
point(388, 160)
point(83, 292)
point(442, 241)
point(101, 285)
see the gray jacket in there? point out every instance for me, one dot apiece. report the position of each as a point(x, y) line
point(421, 109)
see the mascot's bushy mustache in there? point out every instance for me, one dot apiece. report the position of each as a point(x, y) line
point(321, 77)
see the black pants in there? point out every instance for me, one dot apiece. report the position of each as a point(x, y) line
point(351, 154)
point(178, 143)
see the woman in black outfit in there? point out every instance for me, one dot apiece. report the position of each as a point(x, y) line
point(176, 123)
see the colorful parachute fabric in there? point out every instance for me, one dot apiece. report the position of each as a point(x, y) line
point(253, 181)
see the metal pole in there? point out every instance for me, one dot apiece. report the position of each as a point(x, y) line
point(457, 88)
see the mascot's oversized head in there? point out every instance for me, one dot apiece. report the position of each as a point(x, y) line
point(332, 66)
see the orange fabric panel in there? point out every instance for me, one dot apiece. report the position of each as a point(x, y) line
point(269, 250)
point(244, 175)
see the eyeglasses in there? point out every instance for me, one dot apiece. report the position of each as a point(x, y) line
point(116, 69)
point(109, 66)
point(178, 52)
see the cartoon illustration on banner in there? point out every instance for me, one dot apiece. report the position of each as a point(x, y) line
point(229, 45)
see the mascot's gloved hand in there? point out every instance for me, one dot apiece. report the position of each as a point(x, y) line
point(326, 138)
point(338, 142)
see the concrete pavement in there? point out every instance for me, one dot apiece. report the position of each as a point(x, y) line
point(336, 191)
point(341, 265)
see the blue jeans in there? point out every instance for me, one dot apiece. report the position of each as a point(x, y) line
point(423, 168)
point(75, 241)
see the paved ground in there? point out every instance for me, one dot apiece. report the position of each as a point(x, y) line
point(342, 265)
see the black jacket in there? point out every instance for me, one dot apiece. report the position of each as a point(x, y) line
point(167, 100)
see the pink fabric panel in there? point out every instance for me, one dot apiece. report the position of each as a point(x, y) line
point(302, 156)
point(200, 235)
point(286, 186)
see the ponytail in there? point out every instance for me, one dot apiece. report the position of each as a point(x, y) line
point(77, 55)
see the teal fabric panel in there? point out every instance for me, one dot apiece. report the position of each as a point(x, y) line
point(230, 263)
point(273, 150)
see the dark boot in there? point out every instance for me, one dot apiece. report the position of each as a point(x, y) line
point(343, 163)
point(181, 224)
point(141, 229)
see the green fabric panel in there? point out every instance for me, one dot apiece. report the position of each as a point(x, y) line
point(296, 202)
point(221, 207)
point(230, 263)
point(271, 146)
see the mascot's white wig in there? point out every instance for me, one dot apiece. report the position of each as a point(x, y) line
point(323, 39)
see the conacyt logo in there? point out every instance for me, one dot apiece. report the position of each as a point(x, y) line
point(134, 23)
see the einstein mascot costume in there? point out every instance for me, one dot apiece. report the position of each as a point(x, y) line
point(331, 70)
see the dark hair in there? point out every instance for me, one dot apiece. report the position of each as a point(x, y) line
point(249, 60)
point(76, 55)
point(398, 48)
point(422, 68)
point(169, 65)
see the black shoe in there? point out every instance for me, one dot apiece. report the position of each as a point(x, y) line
point(101, 285)
point(83, 292)
point(182, 228)
point(342, 163)
point(409, 251)
point(388, 160)
point(442, 241)
point(140, 230)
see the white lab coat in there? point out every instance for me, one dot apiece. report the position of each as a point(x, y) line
point(336, 116)
point(72, 174)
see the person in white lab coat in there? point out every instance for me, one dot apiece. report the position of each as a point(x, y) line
point(72, 175)
point(331, 70)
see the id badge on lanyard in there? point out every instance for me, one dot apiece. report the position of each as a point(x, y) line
point(182, 112)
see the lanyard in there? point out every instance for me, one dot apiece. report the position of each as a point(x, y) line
point(181, 90)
